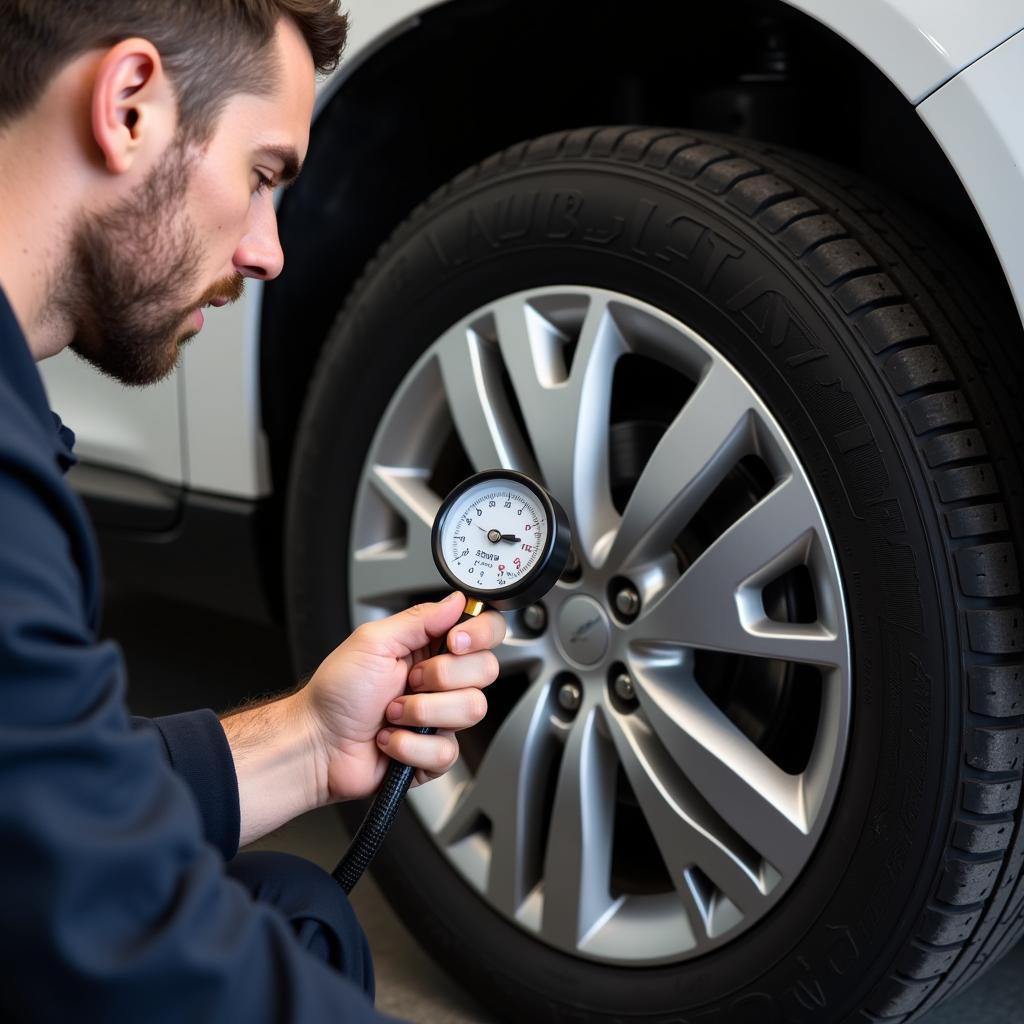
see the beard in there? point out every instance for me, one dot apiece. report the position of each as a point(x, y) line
point(132, 270)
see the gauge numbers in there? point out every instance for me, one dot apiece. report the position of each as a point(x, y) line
point(494, 535)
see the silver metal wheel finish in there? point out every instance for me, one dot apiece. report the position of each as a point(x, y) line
point(531, 828)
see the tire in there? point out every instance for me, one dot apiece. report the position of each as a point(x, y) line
point(888, 378)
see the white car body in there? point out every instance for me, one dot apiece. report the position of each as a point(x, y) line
point(961, 66)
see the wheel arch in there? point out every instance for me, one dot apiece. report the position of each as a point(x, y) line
point(454, 87)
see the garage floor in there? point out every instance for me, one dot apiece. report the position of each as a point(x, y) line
point(180, 658)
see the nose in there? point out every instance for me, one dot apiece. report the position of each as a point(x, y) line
point(259, 253)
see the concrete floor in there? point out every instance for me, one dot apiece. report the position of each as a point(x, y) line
point(180, 657)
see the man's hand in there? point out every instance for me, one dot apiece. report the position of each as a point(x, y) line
point(331, 740)
point(358, 694)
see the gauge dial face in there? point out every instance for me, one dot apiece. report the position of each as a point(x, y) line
point(494, 535)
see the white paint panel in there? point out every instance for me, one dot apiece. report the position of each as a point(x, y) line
point(135, 429)
point(221, 403)
point(919, 44)
point(977, 120)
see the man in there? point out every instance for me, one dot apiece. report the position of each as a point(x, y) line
point(140, 142)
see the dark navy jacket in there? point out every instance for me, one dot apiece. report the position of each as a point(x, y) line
point(114, 904)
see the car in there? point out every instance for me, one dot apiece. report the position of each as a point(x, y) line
point(741, 284)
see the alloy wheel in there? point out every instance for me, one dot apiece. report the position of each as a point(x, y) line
point(668, 736)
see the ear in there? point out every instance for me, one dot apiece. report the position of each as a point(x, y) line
point(134, 108)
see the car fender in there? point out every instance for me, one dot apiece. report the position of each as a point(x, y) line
point(976, 119)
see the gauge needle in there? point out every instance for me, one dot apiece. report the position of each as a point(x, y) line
point(496, 535)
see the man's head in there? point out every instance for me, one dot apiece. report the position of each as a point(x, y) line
point(211, 49)
point(180, 115)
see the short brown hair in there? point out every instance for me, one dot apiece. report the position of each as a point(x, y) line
point(211, 49)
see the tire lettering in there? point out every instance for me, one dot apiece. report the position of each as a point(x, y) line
point(844, 951)
point(476, 231)
point(772, 317)
point(514, 216)
point(439, 250)
point(809, 992)
point(644, 212)
point(721, 250)
point(701, 250)
point(399, 277)
point(564, 215)
point(605, 236)
point(647, 231)
point(687, 233)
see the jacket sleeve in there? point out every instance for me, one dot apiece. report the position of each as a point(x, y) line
point(197, 749)
point(113, 904)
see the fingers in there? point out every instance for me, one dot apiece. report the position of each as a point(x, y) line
point(409, 632)
point(433, 755)
point(452, 672)
point(471, 665)
point(414, 628)
point(477, 634)
point(458, 709)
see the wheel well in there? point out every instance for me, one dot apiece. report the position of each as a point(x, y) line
point(474, 76)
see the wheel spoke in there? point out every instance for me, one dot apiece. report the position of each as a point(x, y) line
point(385, 569)
point(407, 492)
point(687, 833)
point(760, 802)
point(577, 865)
point(509, 790)
point(712, 432)
point(471, 372)
point(568, 420)
point(380, 574)
point(717, 602)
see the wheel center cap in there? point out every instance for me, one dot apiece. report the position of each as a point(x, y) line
point(583, 630)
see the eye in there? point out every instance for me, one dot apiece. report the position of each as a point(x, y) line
point(263, 183)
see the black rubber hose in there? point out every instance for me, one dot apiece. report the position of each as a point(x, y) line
point(377, 823)
point(381, 815)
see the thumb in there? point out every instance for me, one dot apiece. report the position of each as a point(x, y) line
point(416, 627)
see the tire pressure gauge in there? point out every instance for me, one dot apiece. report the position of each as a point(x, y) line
point(501, 539)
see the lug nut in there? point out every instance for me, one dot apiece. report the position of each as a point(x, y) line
point(570, 696)
point(623, 686)
point(535, 618)
point(627, 602)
